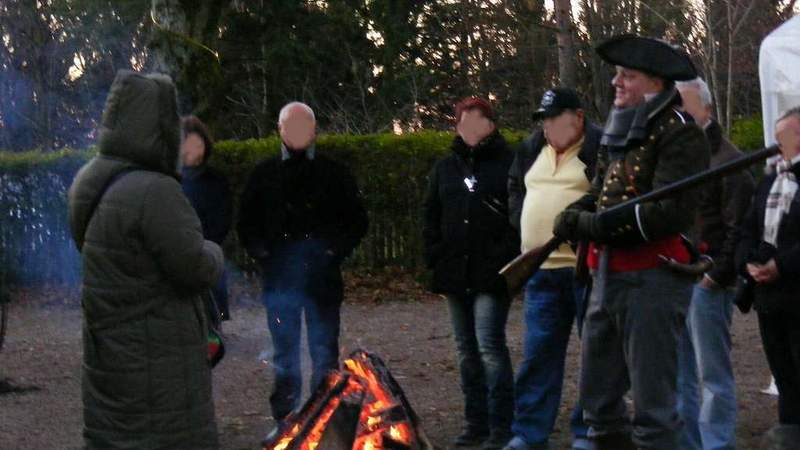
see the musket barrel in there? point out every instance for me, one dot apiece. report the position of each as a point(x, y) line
point(698, 178)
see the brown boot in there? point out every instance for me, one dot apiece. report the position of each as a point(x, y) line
point(616, 441)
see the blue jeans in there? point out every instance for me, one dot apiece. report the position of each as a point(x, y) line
point(707, 392)
point(553, 300)
point(285, 311)
point(479, 326)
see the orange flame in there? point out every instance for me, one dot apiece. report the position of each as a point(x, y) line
point(373, 428)
point(371, 441)
point(400, 433)
point(315, 435)
point(286, 440)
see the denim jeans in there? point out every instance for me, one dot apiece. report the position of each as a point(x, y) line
point(553, 301)
point(706, 389)
point(479, 326)
point(630, 341)
point(285, 311)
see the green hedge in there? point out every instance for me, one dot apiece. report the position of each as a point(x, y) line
point(391, 171)
point(748, 133)
point(35, 244)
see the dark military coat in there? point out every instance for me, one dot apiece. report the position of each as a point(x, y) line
point(674, 148)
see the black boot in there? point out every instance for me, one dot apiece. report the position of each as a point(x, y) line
point(471, 437)
point(616, 441)
point(496, 441)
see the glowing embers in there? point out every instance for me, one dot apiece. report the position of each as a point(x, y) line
point(360, 407)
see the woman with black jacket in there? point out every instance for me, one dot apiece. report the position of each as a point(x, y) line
point(467, 240)
point(209, 194)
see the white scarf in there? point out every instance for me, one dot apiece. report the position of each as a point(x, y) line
point(779, 199)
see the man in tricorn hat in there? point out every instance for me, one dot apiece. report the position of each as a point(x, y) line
point(638, 306)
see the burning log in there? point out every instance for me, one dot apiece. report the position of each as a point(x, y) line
point(360, 407)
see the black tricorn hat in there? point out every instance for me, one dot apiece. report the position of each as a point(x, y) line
point(653, 56)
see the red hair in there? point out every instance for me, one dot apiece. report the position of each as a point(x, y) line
point(471, 103)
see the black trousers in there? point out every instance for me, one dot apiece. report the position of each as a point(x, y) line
point(780, 335)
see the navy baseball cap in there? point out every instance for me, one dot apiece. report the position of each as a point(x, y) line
point(555, 101)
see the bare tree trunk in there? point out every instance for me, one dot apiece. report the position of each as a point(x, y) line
point(169, 55)
point(464, 53)
point(729, 75)
point(182, 45)
point(601, 82)
point(566, 49)
point(712, 58)
point(736, 17)
point(264, 92)
point(534, 14)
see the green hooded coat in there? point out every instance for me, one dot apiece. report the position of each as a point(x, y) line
point(146, 381)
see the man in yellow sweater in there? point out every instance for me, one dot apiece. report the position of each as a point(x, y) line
point(552, 169)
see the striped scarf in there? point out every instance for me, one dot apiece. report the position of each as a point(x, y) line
point(779, 199)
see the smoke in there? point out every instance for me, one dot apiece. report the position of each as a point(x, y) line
point(49, 116)
point(35, 244)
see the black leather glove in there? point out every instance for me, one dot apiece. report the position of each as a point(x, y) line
point(589, 227)
point(744, 295)
point(574, 225)
point(614, 226)
point(566, 224)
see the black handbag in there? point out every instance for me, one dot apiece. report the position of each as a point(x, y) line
point(216, 346)
point(744, 294)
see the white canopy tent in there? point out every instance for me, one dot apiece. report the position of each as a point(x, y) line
point(779, 72)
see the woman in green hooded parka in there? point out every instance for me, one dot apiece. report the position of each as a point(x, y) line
point(146, 380)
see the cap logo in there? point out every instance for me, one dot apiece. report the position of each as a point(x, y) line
point(548, 98)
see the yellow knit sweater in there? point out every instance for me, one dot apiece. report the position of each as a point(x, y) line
point(550, 188)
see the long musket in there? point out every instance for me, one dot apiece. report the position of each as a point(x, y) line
point(517, 272)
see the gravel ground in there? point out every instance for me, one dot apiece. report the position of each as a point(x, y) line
point(407, 328)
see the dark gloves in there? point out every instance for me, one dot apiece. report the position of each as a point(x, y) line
point(574, 225)
point(614, 226)
point(564, 227)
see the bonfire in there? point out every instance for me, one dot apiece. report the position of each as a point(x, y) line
point(360, 407)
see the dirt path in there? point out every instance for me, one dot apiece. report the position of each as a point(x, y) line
point(43, 352)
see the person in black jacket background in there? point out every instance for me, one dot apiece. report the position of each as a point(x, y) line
point(467, 240)
point(769, 256)
point(209, 194)
point(301, 215)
